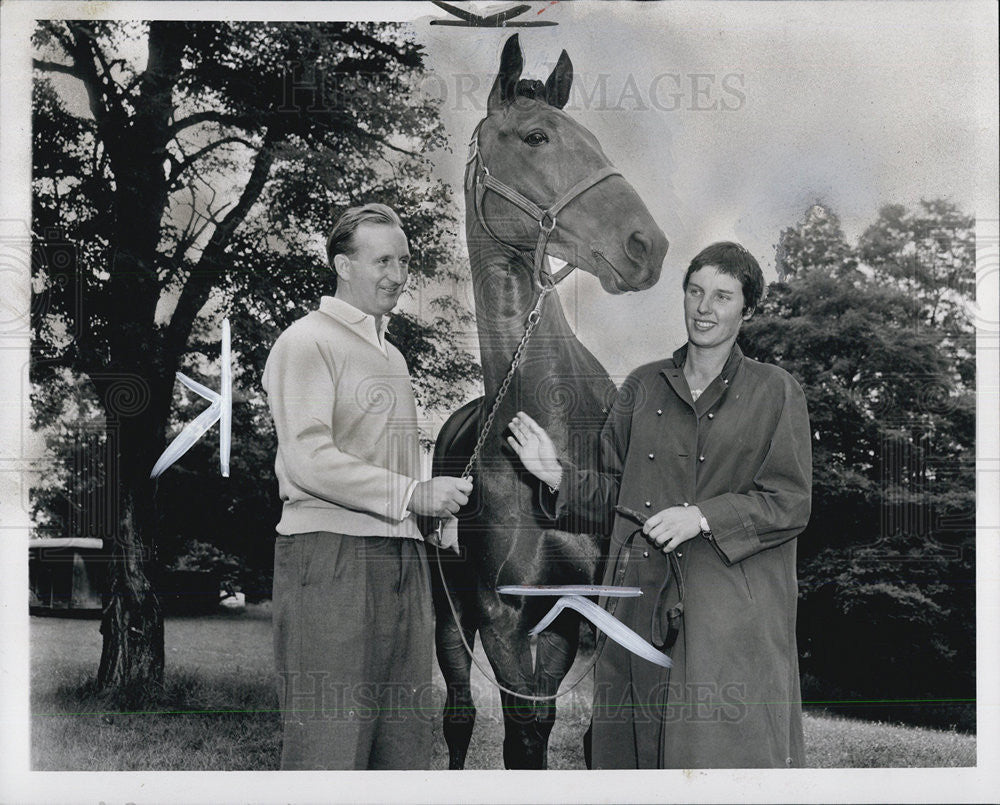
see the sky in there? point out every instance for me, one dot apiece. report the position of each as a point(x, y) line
point(731, 119)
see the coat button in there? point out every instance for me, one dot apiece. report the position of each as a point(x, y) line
point(645, 554)
point(650, 456)
point(701, 458)
point(711, 416)
point(659, 412)
point(649, 503)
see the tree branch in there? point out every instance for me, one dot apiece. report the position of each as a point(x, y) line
point(114, 88)
point(59, 34)
point(189, 160)
point(191, 234)
point(56, 67)
point(85, 51)
point(84, 69)
point(200, 283)
point(186, 238)
point(384, 142)
point(410, 57)
point(222, 118)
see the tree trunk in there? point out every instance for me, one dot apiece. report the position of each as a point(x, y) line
point(132, 658)
point(133, 385)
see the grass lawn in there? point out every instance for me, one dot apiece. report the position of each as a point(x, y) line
point(218, 710)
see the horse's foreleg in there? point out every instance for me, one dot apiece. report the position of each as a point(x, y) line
point(510, 656)
point(459, 708)
point(556, 651)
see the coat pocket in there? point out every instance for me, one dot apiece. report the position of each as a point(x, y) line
point(746, 580)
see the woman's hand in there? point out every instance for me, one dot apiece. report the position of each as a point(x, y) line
point(535, 449)
point(670, 528)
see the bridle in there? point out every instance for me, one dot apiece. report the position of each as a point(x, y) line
point(545, 218)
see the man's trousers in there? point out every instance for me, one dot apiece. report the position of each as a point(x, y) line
point(353, 645)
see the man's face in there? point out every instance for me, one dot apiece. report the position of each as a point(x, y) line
point(374, 276)
point(713, 308)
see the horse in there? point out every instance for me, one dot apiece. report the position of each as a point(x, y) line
point(526, 152)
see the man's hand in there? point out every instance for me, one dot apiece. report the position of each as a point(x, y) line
point(440, 497)
point(535, 449)
point(670, 528)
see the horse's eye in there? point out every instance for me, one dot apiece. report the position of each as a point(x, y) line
point(536, 138)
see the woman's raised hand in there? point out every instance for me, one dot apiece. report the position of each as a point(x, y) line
point(535, 449)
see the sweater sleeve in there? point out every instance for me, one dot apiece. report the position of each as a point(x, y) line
point(777, 508)
point(301, 392)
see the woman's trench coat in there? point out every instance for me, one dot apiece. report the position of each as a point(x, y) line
point(742, 454)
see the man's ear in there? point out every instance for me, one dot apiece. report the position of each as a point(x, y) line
point(748, 314)
point(342, 266)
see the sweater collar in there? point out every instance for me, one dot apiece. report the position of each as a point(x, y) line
point(357, 320)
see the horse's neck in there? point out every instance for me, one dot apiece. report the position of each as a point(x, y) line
point(505, 294)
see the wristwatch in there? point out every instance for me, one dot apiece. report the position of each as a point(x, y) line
point(706, 529)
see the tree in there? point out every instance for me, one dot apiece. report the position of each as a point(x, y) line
point(818, 242)
point(209, 162)
point(879, 336)
point(930, 255)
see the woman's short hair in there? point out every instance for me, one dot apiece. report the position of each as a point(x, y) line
point(734, 260)
point(341, 240)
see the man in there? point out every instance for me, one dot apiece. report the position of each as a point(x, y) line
point(716, 447)
point(351, 602)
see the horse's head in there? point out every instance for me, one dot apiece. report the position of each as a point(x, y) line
point(530, 145)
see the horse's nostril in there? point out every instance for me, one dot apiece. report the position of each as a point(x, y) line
point(638, 246)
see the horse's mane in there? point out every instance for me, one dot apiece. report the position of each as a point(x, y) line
point(531, 88)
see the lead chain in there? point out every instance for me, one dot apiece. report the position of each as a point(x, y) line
point(533, 318)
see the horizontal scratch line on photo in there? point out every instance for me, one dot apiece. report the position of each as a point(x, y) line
point(360, 711)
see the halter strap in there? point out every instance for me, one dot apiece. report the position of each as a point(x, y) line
point(582, 186)
point(545, 218)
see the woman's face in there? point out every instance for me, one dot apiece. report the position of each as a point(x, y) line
point(713, 308)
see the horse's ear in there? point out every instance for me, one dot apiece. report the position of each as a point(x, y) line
point(511, 64)
point(558, 84)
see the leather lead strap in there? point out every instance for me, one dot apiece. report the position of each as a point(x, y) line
point(676, 613)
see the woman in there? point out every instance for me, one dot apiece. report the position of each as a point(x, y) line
point(715, 449)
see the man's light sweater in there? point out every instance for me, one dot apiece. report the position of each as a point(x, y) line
point(342, 402)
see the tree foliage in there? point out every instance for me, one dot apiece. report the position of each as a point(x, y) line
point(184, 171)
point(880, 337)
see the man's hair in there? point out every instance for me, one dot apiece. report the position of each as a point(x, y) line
point(734, 260)
point(341, 240)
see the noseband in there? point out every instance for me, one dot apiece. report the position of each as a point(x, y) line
point(546, 219)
